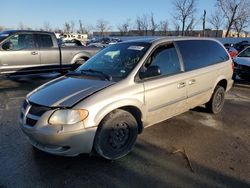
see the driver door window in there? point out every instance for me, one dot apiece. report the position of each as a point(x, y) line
point(19, 53)
point(166, 58)
point(21, 41)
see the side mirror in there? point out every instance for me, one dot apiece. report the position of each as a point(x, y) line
point(150, 72)
point(7, 45)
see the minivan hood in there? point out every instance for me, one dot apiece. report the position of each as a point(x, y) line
point(66, 91)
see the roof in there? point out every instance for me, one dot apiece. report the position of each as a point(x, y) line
point(26, 31)
point(165, 39)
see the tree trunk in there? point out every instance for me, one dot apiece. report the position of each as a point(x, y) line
point(216, 34)
point(204, 23)
point(231, 21)
point(183, 27)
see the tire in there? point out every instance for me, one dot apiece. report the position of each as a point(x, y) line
point(78, 62)
point(116, 135)
point(217, 100)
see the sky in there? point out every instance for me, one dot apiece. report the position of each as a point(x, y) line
point(34, 13)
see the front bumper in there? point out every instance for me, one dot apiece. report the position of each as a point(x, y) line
point(242, 70)
point(66, 144)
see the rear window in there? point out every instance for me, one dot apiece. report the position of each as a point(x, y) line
point(4, 35)
point(201, 53)
point(46, 41)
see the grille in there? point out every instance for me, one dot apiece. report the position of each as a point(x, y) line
point(38, 110)
point(34, 113)
point(30, 122)
point(25, 104)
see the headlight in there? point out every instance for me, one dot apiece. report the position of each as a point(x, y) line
point(67, 117)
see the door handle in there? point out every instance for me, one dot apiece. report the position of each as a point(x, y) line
point(34, 53)
point(191, 82)
point(181, 85)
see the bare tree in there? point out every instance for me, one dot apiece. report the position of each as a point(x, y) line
point(67, 27)
point(241, 23)
point(46, 26)
point(72, 26)
point(145, 23)
point(190, 26)
point(163, 27)
point(233, 11)
point(216, 20)
point(153, 25)
point(176, 27)
point(204, 23)
point(102, 26)
point(124, 27)
point(58, 30)
point(142, 24)
point(83, 28)
point(139, 24)
point(21, 26)
point(185, 10)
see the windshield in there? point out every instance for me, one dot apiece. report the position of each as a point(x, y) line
point(117, 60)
point(3, 35)
point(245, 53)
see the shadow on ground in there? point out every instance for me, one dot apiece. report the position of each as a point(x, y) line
point(146, 166)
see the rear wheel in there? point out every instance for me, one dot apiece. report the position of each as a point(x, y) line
point(79, 61)
point(217, 100)
point(116, 135)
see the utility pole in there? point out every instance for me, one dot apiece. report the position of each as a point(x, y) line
point(204, 23)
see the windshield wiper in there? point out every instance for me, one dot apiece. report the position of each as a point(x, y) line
point(106, 76)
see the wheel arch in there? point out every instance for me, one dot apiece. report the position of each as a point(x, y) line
point(134, 109)
point(136, 112)
point(85, 56)
point(221, 81)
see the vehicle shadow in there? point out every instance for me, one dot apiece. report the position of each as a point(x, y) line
point(242, 82)
point(200, 109)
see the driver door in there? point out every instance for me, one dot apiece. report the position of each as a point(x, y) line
point(20, 55)
point(166, 94)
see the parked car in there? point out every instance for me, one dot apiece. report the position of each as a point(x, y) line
point(241, 45)
point(128, 86)
point(242, 64)
point(103, 41)
point(73, 42)
point(37, 51)
point(231, 50)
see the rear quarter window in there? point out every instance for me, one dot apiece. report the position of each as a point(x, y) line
point(201, 53)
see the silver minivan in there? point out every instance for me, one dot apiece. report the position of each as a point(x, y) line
point(109, 100)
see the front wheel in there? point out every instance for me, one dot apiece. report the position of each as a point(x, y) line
point(116, 135)
point(217, 100)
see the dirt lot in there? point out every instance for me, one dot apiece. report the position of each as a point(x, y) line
point(217, 149)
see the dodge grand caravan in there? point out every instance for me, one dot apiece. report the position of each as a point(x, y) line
point(106, 102)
